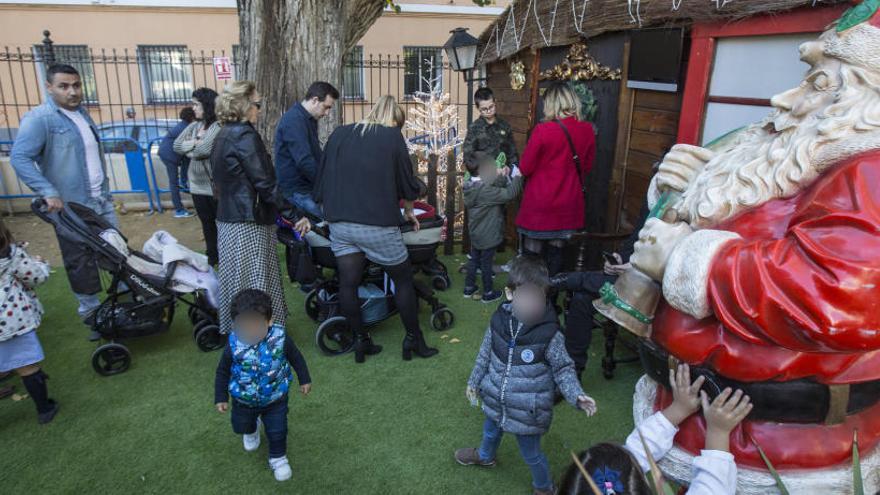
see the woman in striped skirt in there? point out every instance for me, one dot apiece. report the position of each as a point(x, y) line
point(248, 202)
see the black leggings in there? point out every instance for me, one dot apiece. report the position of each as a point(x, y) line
point(551, 251)
point(206, 209)
point(351, 271)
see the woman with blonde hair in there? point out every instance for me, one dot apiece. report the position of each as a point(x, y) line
point(248, 202)
point(365, 173)
point(560, 152)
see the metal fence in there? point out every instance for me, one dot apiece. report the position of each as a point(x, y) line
point(135, 95)
point(150, 84)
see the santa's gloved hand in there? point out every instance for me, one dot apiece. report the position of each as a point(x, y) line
point(559, 281)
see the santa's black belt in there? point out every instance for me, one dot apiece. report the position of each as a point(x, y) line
point(795, 401)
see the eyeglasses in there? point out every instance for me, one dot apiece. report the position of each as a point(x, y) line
point(257, 104)
point(488, 109)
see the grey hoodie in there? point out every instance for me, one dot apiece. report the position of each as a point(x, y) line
point(517, 377)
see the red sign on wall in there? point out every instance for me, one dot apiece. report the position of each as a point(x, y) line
point(222, 68)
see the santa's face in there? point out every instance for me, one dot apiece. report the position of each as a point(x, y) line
point(818, 89)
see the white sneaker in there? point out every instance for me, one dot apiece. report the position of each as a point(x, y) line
point(281, 468)
point(252, 440)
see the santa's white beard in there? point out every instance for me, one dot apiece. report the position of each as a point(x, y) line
point(760, 165)
point(780, 156)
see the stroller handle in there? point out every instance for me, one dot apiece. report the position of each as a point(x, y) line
point(41, 209)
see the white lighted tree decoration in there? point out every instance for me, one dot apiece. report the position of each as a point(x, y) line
point(434, 121)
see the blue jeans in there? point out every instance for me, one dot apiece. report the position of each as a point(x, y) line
point(529, 447)
point(484, 259)
point(173, 185)
point(274, 416)
point(305, 203)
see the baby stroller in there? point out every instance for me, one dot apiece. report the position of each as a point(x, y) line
point(333, 336)
point(422, 245)
point(142, 294)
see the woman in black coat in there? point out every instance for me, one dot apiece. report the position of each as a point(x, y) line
point(247, 204)
point(365, 172)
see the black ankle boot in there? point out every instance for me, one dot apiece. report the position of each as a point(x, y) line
point(364, 346)
point(414, 342)
point(36, 387)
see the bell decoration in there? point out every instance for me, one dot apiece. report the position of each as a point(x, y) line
point(633, 298)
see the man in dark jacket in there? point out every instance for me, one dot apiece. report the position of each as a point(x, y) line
point(584, 287)
point(485, 194)
point(172, 161)
point(297, 149)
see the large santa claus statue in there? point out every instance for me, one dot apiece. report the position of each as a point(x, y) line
point(771, 274)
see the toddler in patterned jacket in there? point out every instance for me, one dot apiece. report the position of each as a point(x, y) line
point(20, 315)
point(255, 369)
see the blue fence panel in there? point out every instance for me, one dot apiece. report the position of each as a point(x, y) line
point(135, 168)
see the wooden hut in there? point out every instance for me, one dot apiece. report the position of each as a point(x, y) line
point(651, 74)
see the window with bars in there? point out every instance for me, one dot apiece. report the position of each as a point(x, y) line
point(77, 56)
point(166, 73)
point(353, 74)
point(423, 67)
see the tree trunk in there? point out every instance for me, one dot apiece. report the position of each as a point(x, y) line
point(288, 44)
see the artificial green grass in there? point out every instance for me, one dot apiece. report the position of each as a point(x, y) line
point(387, 426)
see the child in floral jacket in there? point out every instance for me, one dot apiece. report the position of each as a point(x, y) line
point(20, 315)
point(255, 369)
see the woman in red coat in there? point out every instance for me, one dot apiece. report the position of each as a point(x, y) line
point(552, 207)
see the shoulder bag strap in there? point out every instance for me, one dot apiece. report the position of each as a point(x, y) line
point(577, 159)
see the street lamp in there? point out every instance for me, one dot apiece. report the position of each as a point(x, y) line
point(461, 50)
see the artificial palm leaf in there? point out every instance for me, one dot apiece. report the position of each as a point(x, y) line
point(858, 489)
point(583, 470)
point(779, 484)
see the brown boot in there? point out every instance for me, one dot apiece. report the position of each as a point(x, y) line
point(471, 457)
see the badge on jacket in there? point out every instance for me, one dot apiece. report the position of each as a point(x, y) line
point(527, 356)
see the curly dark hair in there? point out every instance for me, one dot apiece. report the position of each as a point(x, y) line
point(207, 97)
point(251, 301)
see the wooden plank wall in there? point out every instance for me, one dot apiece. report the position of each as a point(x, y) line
point(652, 131)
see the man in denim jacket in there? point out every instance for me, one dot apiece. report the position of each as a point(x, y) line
point(57, 153)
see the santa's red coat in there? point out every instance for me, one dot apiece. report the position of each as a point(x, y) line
point(797, 297)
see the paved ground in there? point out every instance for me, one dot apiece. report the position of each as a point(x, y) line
point(136, 226)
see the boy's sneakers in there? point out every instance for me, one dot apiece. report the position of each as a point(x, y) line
point(469, 292)
point(471, 457)
point(548, 491)
point(490, 297)
point(252, 440)
point(281, 468)
point(183, 214)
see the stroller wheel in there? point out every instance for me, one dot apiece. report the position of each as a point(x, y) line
point(442, 319)
point(200, 324)
point(111, 359)
point(334, 336)
point(208, 338)
point(441, 282)
point(312, 309)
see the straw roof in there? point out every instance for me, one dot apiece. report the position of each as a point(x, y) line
point(542, 23)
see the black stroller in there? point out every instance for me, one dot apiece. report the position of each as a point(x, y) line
point(376, 293)
point(141, 296)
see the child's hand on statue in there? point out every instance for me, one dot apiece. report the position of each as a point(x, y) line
point(723, 415)
point(685, 394)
